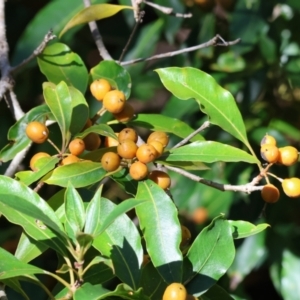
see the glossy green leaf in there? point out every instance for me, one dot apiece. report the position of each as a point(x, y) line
point(125, 181)
point(91, 292)
point(55, 14)
point(253, 251)
point(208, 152)
point(85, 241)
point(59, 100)
point(285, 128)
point(28, 248)
point(229, 62)
point(216, 293)
point(80, 111)
point(122, 243)
point(93, 13)
point(116, 75)
point(243, 229)
point(15, 285)
point(163, 123)
point(79, 174)
point(159, 222)
point(58, 63)
point(10, 266)
point(44, 165)
point(216, 102)
point(18, 140)
point(209, 257)
point(74, 211)
point(290, 275)
point(102, 129)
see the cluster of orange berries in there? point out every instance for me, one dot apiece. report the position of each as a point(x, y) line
point(113, 100)
point(177, 291)
point(137, 157)
point(286, 156)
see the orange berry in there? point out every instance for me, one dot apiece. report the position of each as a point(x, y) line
point(270, 193)
point(70, 159)
point(127, 149)
point(37, 132)
point(159, 148)
point(138, 170)
point(268, 140)
point(185, 237)
point(175, 291)
point(76, 147)
point(99, 88)
point(92, 141)
point(110, 161)
point(146, 153)
point(159, 136)
point(111, 142)
point(35, 158)
point(160, 178)
point(291, 187)
point(200, 215)
point(269, 153)
point(126, 114)
point(288, 155)
point(128, 134)
point(114, 101)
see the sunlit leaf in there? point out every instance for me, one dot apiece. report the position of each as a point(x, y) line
point(243, 229)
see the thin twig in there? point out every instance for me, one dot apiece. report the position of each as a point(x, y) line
point(184, 141)
point(167, 10)
point(246, 188)
point(212, 42)
point(97, 36)
point(47, 38)
point(136, 25)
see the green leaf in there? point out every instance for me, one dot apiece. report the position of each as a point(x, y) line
point(91, 292)
point(116, 75)
point(15, 285)
point(209, 257)
point(74, 211)
point(122, 243)
point(59, 100)
point(44, 165)
point(229, 62)
point(208, 152)
point(28, 248)
point(12, 267)
point(125, 181)
point(216, 102)
point(186, 165)
point(93, 13)
point(18, 140)
point(243, 229)
point(58, 63)
point(102, 129)
point(160, 225)
point(79, 174)
point(166, 124)
point(216, 293)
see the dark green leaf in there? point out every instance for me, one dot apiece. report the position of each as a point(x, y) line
point(15, 285)
point(12, 267)
point(93, 13)
point(209, 257)
point(122, 243)
point(125, 181)
point(208, 152)
point(243, 229)
point(160, 225)
point(229, 62)
point(166, 124)
point(79, 174)
point(58, 63)
point(117, 76)
point(101, 129)
point(91, 292)
point(216, 293)
point(216, 102)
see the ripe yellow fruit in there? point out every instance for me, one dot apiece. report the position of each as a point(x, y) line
point(291, 187)
point(158, 136)
point(70, 159)
point(128, 134)
point(138, 170)
point(76, 147)
point(146, 153)
point(175, 291)
point(114, 101)
point(268, 140)
point(35, 158)
point(269, 153)
point(99, 88)
point(126, 114)
point(158, 147)
point(127, 149)
point(288, 156)
point(37, 132)
point(160, 178)
point(111, 142)
point(110, 161)
point(270, 193)
point(200, 215)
